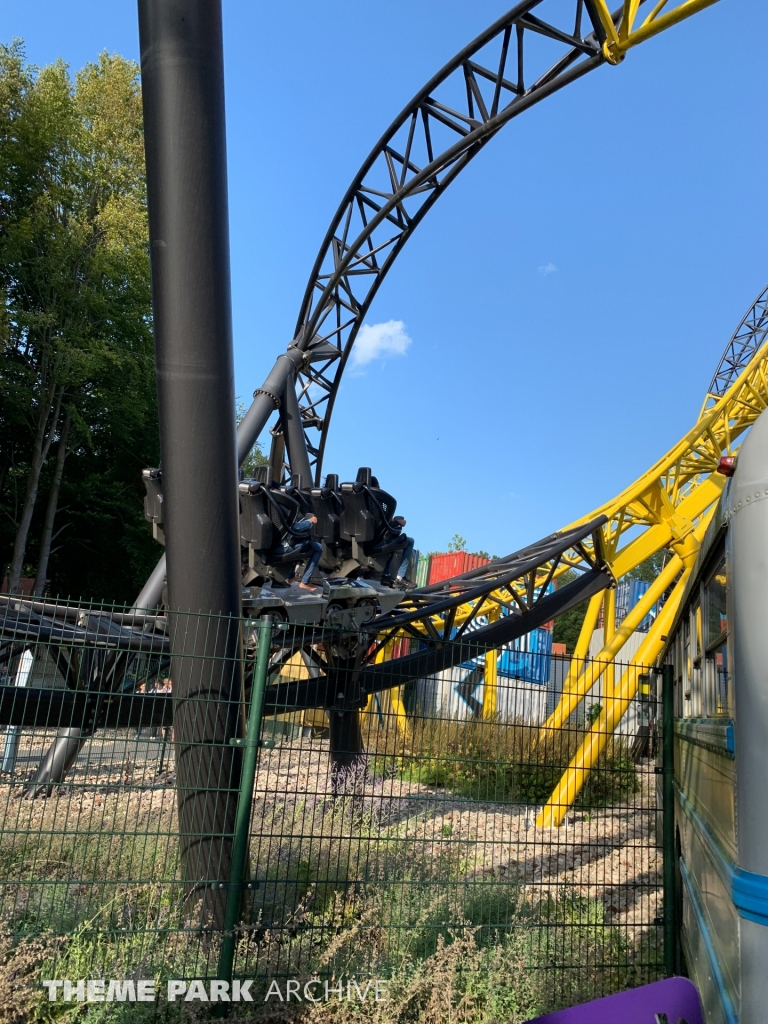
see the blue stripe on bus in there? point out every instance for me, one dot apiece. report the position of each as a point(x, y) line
point(710, 733)
point(749, 892)
point(714, 964)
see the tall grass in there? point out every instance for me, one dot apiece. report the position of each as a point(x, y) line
point(501, 761)
point(358, 884)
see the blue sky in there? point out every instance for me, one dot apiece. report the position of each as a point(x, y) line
point(567, 299)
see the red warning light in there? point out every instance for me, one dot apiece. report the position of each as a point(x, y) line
point(727, 465)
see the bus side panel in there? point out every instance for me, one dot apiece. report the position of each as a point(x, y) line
point(715, 915)
point(699, 957)
point(708, 780)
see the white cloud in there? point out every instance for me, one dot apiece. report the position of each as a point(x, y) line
point(548, 268)
point(377, 341)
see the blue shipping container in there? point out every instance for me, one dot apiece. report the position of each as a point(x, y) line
point(529, 658)
point(628, 593)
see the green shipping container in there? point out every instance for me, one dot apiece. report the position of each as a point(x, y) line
point(422, 569)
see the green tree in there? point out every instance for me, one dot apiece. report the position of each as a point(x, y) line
point(256, 456)
point(457, 543)
point(77, 395)
point(484, 554)
point(568, 626)
point(649, 569)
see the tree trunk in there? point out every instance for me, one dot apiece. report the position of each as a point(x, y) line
point(50, 512)
point(40, 446)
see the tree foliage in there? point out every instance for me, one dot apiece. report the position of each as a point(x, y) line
point(76, 323)
point(568, 625)
point(256, 456)
point(649, 569)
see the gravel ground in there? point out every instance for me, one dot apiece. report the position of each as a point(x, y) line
point(609, 855)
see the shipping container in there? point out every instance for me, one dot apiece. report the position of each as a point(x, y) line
point(454, 563)
point(528, 658)
point(628, 593)
point(413, 565)
point(422, 570)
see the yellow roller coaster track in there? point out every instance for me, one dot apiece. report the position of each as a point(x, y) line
point(627, 32)
point(667, 508)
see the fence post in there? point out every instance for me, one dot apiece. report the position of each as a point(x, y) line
point(671, 924)
point(245, 800)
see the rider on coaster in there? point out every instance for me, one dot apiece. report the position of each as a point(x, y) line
point(403, 552)
point(300, 539)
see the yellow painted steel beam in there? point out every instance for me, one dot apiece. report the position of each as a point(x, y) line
point(401, 718)
point(593, 669)
point(609, 628)
point(396, 693)
point(490, 685)
point(621, 37)
point(582, 648)
point(585, 758)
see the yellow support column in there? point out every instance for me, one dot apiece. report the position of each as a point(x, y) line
point(609, 628)
point(592, 672)
point(604, 726)
point(401, 718)
point(580, 652)
point(585, 758)
point(490, 685)
point(396, 693)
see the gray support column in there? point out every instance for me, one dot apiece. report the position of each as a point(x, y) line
point(346, 751)
point(266, 399)
point(184, 136)
point(747, 615)
point(298, 456)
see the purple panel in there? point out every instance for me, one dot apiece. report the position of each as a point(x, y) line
point(677, 998)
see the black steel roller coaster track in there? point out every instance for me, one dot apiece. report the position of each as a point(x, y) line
point(516, 587)
point(748, 337)
point(434, 137)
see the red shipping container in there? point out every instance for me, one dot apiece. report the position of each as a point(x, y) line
point(26, 586)
point(444, 567)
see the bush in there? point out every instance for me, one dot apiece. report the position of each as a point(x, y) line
point(505, 762)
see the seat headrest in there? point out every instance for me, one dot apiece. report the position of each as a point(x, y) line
point(364, 476)
point(332, 481)
point(261, 473)
point(249, 486)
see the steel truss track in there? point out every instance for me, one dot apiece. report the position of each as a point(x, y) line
point(517, 62)
point(485, 609)
point(746, 340)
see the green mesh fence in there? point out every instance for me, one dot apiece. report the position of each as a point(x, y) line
point(377, 856)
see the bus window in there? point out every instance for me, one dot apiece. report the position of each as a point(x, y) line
point(717, 616)
point(719, 679)
point(718, 700)
point(687, 670)
point(697, 699)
